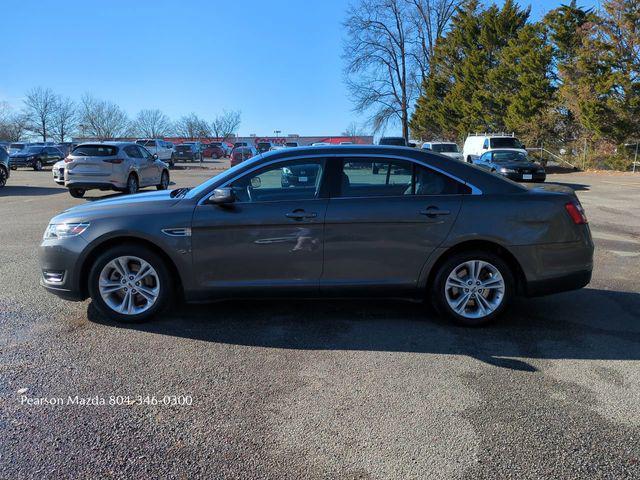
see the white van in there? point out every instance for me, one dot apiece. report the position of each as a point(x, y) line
point(478, 143)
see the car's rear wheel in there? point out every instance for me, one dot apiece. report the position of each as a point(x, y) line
point(77, 192)
point(3, 177)
point(473, 288)
point(164, 181)
point(37, 166)
point(132, 184)
point(130, 283)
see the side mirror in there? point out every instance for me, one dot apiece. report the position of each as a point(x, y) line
point(222, 196)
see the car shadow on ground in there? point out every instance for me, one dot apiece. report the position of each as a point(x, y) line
point(586, 324)
point(574, 186)
point(28, 191)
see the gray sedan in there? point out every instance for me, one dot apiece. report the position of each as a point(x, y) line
point(418, 226)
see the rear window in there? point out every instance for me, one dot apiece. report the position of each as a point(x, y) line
point(506, 142)
point(445, 148)
point(184, 147)
point(94, 151)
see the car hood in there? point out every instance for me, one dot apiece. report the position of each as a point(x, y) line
point(120, 205)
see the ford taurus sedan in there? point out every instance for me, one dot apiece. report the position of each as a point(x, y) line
point(421, 227)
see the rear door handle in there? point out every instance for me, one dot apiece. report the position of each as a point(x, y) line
point(434, 212)
point(300, 215)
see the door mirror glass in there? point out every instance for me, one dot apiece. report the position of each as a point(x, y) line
point(222, 196)
point(256, 182)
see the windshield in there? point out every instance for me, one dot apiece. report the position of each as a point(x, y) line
point(501, 157)
point(445, 148)
point(505, 142)
point(33, 150)
point(207, 184)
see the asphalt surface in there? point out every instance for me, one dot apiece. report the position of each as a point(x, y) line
point(301, 389)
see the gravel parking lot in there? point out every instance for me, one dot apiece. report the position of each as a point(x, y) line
point(340, 389)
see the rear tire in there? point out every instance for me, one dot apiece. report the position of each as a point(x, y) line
point(132, 184)
point(480, 295)
point(77, 192)
point(157, 284)
point(3, 177)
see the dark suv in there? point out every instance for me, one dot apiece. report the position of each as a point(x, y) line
point(189, 152)
point(5, 172)
point(36, 156)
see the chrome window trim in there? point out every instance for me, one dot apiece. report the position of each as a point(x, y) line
point(474, 190)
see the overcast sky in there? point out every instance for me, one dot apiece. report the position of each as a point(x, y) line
point(278, 62)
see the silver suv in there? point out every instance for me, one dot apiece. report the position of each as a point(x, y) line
point(120, 166)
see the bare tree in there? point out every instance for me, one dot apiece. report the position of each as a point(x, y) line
point(430, 19)
point(64, 118)
point(353, 131)
point(13, 125)
point(378, 60)
point(152, 124)
point(192, 126)
point(40, 105)
point(225, 125)
point(103, 119)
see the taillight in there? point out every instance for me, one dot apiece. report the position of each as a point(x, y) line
point(113, 160)
point(576, 212)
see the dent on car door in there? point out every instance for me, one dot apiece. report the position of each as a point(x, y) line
point(271, 237)
point(380, 228)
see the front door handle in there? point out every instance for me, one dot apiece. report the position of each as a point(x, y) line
point(300, 215)
point(434, 212)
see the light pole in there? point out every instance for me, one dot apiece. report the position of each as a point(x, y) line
point(277, 133)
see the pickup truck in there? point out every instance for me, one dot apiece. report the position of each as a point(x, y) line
point(157, 146)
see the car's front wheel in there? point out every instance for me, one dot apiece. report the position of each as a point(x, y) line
point(473, 288)
point(129, 283)
point(37, 166)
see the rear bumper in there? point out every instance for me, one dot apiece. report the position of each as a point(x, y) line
point(571, 281)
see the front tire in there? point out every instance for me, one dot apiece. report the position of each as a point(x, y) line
point(130, 283)
point(473, 288)
point(37, 166)
point(77, 192)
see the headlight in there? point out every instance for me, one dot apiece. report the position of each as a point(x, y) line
point(286, 171)
point(64, 230)
point(507, 170)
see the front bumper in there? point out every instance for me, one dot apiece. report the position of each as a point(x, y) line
point(524, 177)
point(21, 162)
point(61, 259)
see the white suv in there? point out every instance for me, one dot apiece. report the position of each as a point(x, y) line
point(120, 166)
point(449, 149)
point(157, 146)
point(477, 144)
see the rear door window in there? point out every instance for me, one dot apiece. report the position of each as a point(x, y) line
point(132, 151)
point(393, 178)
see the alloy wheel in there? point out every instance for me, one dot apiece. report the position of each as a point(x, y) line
point(129, 285)
point(475, 289)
